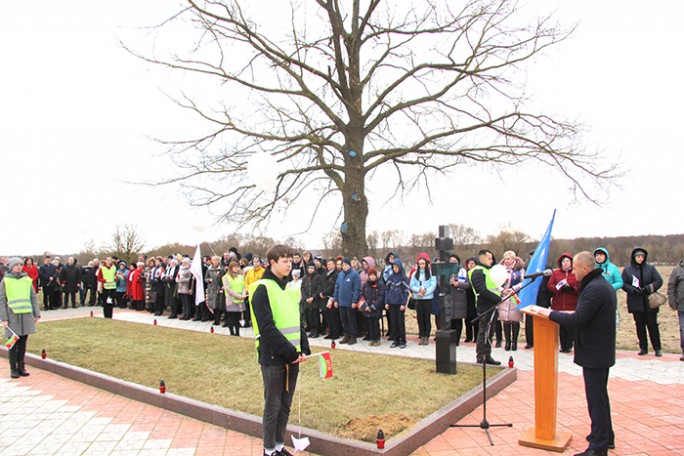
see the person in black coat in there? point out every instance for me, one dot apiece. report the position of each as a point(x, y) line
point(46, 274)
point(311, 301)
point(594, 325)
point(640, 279)
point(70, 277)
point(332, 315)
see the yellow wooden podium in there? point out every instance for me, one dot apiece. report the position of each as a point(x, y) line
point(543, 435)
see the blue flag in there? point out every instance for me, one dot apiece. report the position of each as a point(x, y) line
point(528, 295)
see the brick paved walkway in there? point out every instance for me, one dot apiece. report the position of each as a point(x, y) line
point(54, 415)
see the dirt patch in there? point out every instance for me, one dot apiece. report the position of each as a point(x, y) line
point(366, 428)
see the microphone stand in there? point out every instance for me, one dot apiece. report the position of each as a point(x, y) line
point(489, 315)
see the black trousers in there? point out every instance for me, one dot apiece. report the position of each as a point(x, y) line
point(108, 302)
point(313, 317)
point(596, 390)
point(373, 324)
point(398, 323)
point(233, 322)
point(566, 337)
point(644, 321)
point(529, 330)
point(332, 316)
point(472, 328)
point(18, 352)
point(47, 298)
point(484, 347)
point(67, 295)
point(423, 308)
point(279, 388)
point(457, 325)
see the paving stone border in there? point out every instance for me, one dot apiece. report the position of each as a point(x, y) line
point(321, 443)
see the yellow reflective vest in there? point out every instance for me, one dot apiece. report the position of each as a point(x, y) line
point(285, 310)
point(19, 294)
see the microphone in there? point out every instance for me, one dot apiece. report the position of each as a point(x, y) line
point(534, 275)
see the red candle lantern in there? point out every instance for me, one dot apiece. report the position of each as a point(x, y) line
point(380, 440)
point(43, 354)
point(333, 345)
point(162, 387)
point(510, 361)
point(211, 330)
point(91, 313)
point(155, 322)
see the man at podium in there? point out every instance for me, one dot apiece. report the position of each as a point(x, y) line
point(594, 325)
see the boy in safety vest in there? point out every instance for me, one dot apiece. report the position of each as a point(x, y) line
point(19, 313)
point(281, 344)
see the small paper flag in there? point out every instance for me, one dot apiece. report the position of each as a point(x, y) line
point(14, 338)
point(325, 365)
point(515, 299)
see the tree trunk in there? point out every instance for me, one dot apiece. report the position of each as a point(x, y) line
point(354, 193)
point(355, 214)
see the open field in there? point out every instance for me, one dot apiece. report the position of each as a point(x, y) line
point(366, 390)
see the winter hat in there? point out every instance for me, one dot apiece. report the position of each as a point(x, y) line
point(372, 271)
point(639, 252)
point(424, 256)
point(12, 262)
point(346, 260)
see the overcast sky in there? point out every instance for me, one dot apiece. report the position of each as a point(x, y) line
point(77, 112)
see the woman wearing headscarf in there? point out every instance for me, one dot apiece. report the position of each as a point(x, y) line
point(235, 294)
point(508, 311)
point(19, 313)
point(213, 279)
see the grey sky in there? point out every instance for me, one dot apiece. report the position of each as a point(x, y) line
point(76, 112)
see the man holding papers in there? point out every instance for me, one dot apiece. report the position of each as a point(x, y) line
point(594, 325)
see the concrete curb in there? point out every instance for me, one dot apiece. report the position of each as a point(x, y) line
point(321, 443)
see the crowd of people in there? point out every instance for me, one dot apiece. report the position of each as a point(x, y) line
point(347, 298)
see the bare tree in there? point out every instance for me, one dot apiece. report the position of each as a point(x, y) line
point(126, 243)
point(464, 235)
point(509, 239)
point(373, 240)
point(338, 90)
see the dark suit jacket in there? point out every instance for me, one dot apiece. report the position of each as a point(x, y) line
point(594, 322)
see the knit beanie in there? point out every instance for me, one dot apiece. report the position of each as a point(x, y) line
point(12, 262)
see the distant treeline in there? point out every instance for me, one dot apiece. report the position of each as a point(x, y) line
point(667, 249)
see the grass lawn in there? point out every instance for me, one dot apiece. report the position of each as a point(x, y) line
point(367, 391)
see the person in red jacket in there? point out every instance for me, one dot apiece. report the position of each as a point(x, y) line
point(565, 289)
point(32, 271)
point(137, 291)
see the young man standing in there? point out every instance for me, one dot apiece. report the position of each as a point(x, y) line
point(487, 297)
point(281, 344)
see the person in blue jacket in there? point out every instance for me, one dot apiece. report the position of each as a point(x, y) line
point(346, 298)
point(396, 299)
point(423, 285)
point(610, 272)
